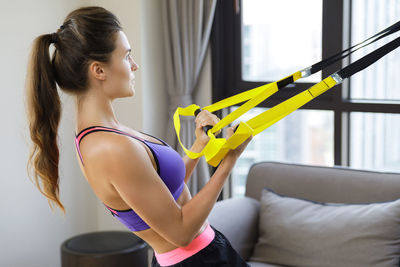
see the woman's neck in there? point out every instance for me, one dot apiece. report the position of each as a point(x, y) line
point(94, 109)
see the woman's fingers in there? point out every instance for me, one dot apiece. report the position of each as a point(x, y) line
point(205, 118)
point(230, 130)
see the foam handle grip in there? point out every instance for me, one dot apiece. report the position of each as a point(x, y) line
point(205, 128)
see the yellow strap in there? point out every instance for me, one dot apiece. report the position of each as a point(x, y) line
point(217, 148)
point(256, 96)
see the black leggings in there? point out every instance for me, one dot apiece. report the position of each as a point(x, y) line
point(219, 253)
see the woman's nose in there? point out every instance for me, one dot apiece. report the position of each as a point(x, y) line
point(134, 66)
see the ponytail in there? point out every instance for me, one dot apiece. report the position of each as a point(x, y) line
point(43, 113)
point(87, 34)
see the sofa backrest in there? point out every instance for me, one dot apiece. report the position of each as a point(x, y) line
point(323, 184)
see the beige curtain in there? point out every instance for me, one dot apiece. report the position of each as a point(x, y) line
point(187, 26)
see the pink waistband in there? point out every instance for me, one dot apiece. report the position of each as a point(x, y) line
point(181, 253)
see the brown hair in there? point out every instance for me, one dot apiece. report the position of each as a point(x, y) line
point(87, 34)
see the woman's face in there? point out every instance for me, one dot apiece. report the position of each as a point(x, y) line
point(120, 77)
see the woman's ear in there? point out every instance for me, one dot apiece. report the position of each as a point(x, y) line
point(97, 70)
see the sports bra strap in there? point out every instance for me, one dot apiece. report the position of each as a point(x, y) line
point(92, 129)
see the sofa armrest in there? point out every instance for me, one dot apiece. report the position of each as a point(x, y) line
point(237, 219)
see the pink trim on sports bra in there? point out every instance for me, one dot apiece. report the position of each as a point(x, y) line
point(84, 132)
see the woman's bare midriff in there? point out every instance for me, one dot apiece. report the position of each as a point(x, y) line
point(110, 197)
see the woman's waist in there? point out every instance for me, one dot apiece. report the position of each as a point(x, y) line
point(158, 243)
point(181, 253)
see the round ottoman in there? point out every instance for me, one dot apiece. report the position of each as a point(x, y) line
point(105, 248)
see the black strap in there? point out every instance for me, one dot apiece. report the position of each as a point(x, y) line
point(332, 59)
point(358, 65)
point(369, 59)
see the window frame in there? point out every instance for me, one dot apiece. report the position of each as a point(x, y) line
point(336, 35)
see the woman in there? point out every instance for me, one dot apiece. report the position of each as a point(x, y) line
point(138, 177)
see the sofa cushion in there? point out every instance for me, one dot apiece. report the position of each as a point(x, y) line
point(296, 232)
point(237, 219)
point(323, 184)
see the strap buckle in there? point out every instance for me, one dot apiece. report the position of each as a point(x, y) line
point(338, 79)
point(305, 72)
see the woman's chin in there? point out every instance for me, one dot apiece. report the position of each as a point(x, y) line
point(132, 88)
point(132, 92)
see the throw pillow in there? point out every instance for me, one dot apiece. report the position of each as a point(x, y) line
point(297, 232)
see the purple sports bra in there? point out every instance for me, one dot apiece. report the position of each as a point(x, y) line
point(170, 168)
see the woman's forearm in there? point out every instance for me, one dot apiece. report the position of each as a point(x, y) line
point(190, 164)
point(197, 209)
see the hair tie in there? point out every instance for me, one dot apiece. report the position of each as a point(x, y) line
point(54, 37)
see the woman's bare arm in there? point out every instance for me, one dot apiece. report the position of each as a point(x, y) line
point(190, 164)
point(126, 165)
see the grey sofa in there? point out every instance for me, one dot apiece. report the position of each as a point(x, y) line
point(238, 218)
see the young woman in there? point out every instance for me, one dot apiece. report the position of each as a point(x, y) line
point(138, 177)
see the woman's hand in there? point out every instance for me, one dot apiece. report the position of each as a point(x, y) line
point(204, 118)
point(235, 153)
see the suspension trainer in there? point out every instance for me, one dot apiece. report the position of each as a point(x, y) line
point(216, 148)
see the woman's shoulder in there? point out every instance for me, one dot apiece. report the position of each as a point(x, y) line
point(100, 148)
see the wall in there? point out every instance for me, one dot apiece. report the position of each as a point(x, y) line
point(30, 233)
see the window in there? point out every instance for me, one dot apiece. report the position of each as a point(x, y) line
point(354, 124)
point(380, 81)
point(266, 37)
point(304, 136)
point(375, 140)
